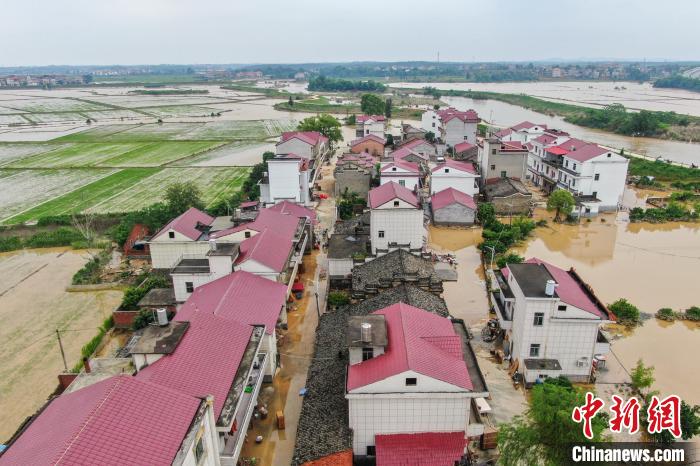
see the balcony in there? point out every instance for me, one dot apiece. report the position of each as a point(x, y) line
point(602, 345)
point(505, 318)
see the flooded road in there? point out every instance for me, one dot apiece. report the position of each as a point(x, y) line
point(33, 304)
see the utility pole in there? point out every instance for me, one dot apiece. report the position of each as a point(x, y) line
point(318, 308)
point(63, 354)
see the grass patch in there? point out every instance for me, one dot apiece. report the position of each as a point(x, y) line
point(90, 273)
point(663, 171)
point(77, 155)
point(169, 91)
point(156, 154)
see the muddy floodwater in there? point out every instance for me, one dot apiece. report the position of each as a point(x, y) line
point(33, 304)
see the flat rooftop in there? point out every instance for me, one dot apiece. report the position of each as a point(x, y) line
point(189, 266)
point(342, 246)
point(542, 364)
point(224, 249)
point(160, 340)
point(158, 297)
point(378, 336)
point(532, 279)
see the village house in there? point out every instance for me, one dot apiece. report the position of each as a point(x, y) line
point(461, 176)
point(192, 272)
point(452, 126)
point(522, 132)
point(451, 207)
point(407, 150)
point(410, 372)
point(308, 144)
point(409, 132)
point(371, 144)
point(596, 176)
point(344, 252)
point(353, 174)
point(398, 267)
point(288, 178)
point(247, 299)
point(160, 425)
point(370, 124)
point(396, 218)
point(465, 151)
point(551, 320)
point(404, 173)
point(508, 197)
point(502, 159)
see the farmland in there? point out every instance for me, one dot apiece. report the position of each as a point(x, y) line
point(113, 150)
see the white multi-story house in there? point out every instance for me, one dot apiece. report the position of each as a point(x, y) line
point(408, 374)
point(192, 272)
point(308, 144)
point(522, 132)
point(287, 179)
point(551, 319)
point(461, 176)
point(502, 159)
point(596, 176)
point(396, 218)
point(451, 125)
point(370, 124)
point(404, 173)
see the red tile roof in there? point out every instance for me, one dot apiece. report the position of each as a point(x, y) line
point(503, 132)
point(557, 150)
point(414, 142)
point(573, 144)
point(310, 137)
point(186, 224)
point(342, 458)
point(451, 196)
point(369, 137)
point(457, 165)
point(242, 297)
point(463, 147)
point(466, 116)
point(120, 420)
point(389, 191)
point(587, 152)
point(418, 341)
point(293, 209)
point(304, 162)
point(527, 125)
point(545, 139)
point(283, 224)
point(267, 248)
point(404, 152)
point(205, 361)
point(363, 118)
point(422, 449)
point(512, 146)
point(410, 167)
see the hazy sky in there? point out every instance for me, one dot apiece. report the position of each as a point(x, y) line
point(74, 32)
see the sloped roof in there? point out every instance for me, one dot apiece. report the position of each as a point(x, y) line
point(242, 297)
point(389, 191)
point(457, 165)
point(410, 167)
point(303, 161)
point(423, 449)
point(363, 118)
point(404, 152)
point(572, 144)
point(463, 147)
point(206, 360)
point(296, 210)
point(309, 137)
point(418, 341)
point(120, 420)
point(509, 146)
point(283, 224)
point(267, 248)
point(503, 132)
point(414, 142)
point(186, 224)
point(556, 150)
point(545, 139)
point(587, 152)
point(451, 196)
point(451, 112)
point(527, 125)
point(369, 137)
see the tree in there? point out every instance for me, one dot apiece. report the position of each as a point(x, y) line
point(625, 311)
point(372, 104)
point(543, 435)
point(510, 258)
point(642, 377)
point(430, 136)
point(326, 124)
point(387, 108)
point(291, 101)
point(485, 213)
point(690, 425)
point(181, 196)
point(562, 201)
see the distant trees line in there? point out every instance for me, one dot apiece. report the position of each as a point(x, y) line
point(679, 82)
point(324, 83)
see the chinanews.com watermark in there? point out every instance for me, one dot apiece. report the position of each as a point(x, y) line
point(632, 453)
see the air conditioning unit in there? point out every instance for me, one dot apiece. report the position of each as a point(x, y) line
point(582, 362)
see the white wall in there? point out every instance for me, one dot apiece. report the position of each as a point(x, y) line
point(180, 280)
point(355, 353)
point(284, 180)
point(257, 268)
point(340, 267)
point(370, 415)
point(430, 122)
point(453, 178)
point(295, 146)
point(165, 255)
point(400, 225)
point(405, 179)
point(206, 430)
point(456, 131)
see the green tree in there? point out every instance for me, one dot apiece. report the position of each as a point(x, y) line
point(562, 201)
point(372, 104)
point(544, 433)
point(642, 377)
point(690, 425)
point(485, 213)
point(326, 124)
point(625, 311)
point(387, 108)
point(430, 136)
point(181, 196)
point(510, 258)
point(291, 101)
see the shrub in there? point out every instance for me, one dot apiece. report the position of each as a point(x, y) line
point(146, 317)
point(10, 243)
point(510, 258)
point(693, 313)
point(626, 312)
point(90, 273)
point(133, 295)
point(666, 314)
point(338, 298)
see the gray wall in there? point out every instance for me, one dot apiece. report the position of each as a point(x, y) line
point(354, 180)
point(454, 214)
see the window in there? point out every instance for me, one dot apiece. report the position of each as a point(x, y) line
point(594, 194)
point(493, 167)
point(503, 174)
point(447, 170)
point(539, 319)
point(189, 287)
point(411, 381)
point(609, 155)
point(401, 183)
point(371, 451)
point(171, 234)
point(381, 233)
point(573, 182)
point(597, 176)
point(199, 450)
point(574, 167)
point(393, 169)
point(246, 234)
point(493, 151)
point(433, 124)
point(561, 307)
point(466, 138)
point(367, 353)
point(534, 350)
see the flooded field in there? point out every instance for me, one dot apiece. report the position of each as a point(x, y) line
point(588, 93)
point(33, 304)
